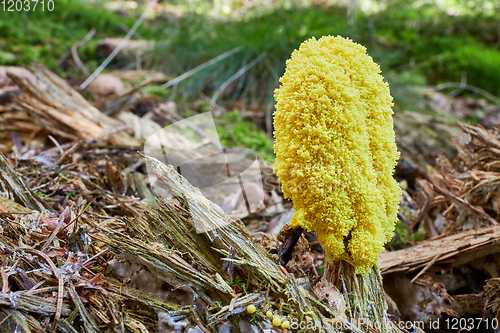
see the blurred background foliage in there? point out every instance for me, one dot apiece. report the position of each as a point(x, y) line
point(416, 42)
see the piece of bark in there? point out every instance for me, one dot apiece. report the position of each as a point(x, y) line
point(121, 99)
point(454, 251)
point(62, 111)
point(211, 223)
point(16, 188)
point(468, 305)
point(108, 45)
point(363, 295)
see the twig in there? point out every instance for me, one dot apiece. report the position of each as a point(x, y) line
point(315, 282)
point(465, 205)
point(3, 320)
point(60, 296)
point(62, 218)
point(476, 90)
point(233, 301)
point(57, 274)
point(199, 68)
point(68, 152)
point(57, 144)
point(74, 52)
point(120, 46)
point(236, 75)
point(36, 286)
point(93, 257)
point(429, 264)
point(115, 321)
point(5, 281)
point(76, 218)
point(89, 324)
point(284, 271)
point(200, 325)
point(286, 250)
point(66, 55)
point(127, 29)
point(267, 295)
point(463, 81)
point(41, 290)
point(88, 271)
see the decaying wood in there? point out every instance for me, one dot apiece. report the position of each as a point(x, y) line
point(453, 251)
point(122, 100)
point(31, 303)
point(130, 49)
point(221, 230)
point(12, 320)
point(364, 296)
point(169, 241)
point(16, 127)
point(164, 232)
point(62, 111)
point(13, 186)
point(491, 296)
point(464, 194)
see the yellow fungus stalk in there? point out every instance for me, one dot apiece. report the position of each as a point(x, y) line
point(335, 148)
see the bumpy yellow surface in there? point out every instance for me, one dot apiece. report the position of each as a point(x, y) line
point(335, 148)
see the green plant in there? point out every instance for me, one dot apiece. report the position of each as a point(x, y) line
point(242, 286)
point(401, 237)
point(41, 194)
point(234, 131)
point(44, 36)
point(478, 62)
point(198, 38)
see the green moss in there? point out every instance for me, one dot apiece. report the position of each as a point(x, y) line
point(157, 90)
point(44, 36)
point(235, 131)
point(321, 270)
point(401, 237)
point(479, 63)
point(420, 235)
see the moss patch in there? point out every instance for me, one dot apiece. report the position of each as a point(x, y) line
point(236, 131)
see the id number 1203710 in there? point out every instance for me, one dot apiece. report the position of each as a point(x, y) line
point(471, 323)
point(26, 5)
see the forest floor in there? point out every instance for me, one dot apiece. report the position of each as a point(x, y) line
point(85, 245)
